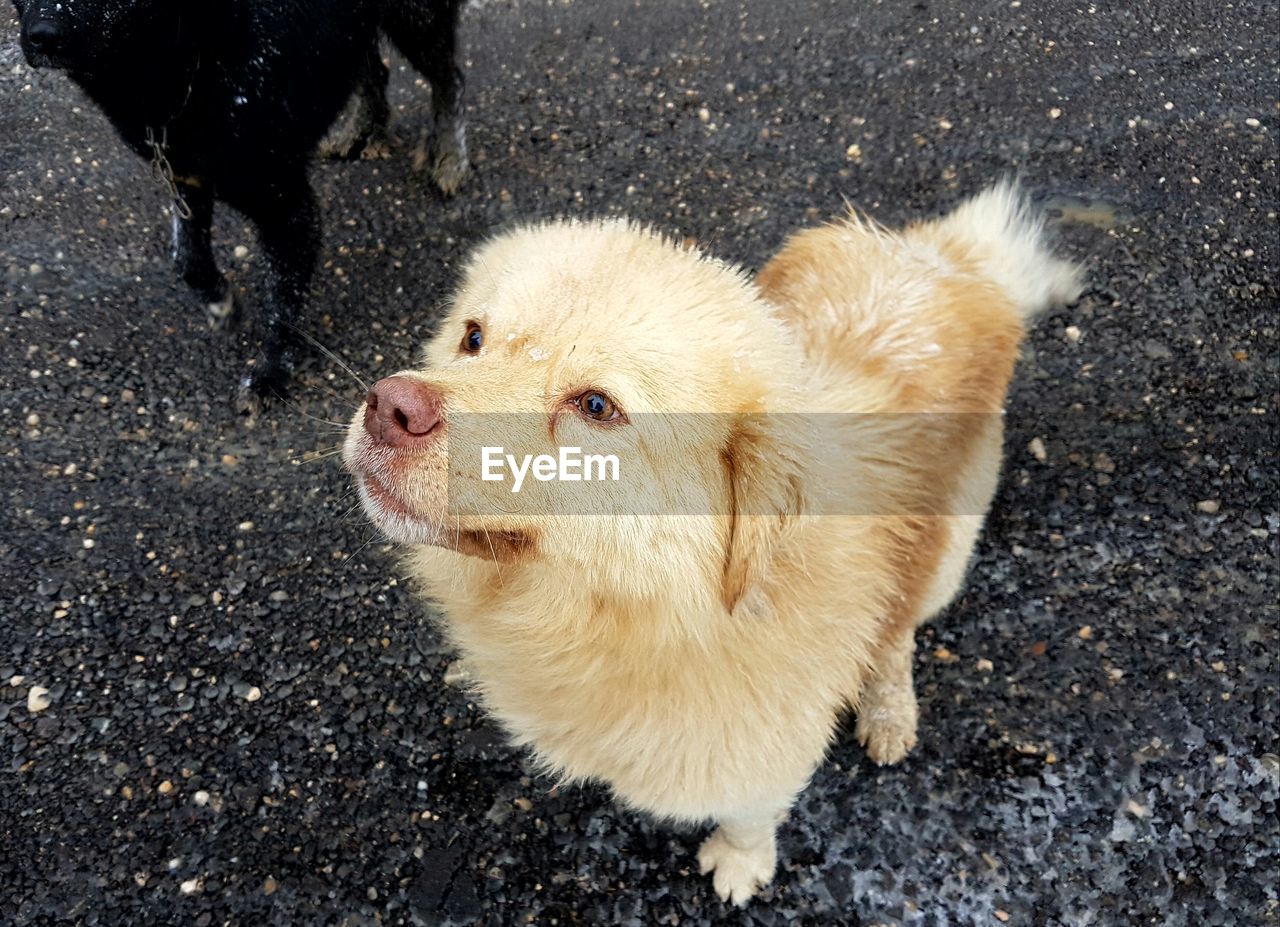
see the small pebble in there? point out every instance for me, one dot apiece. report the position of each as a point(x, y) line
point(164, 788)
point(1037, 449)
point(1072, 333)
point(269, 886)
point(37, 699)
point(253, 694)
point(1208, 506)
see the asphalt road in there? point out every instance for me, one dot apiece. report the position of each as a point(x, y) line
point(246, 720)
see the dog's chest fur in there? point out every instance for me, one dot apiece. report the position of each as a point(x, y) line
point(680, 728)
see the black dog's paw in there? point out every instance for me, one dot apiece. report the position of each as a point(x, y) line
point(351, 143)
point(223, 314)
point(448, 171)
point(268, 383)
point(444, 155)
point(360, 131)
point(247, 403)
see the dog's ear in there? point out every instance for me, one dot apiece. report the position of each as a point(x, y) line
point(763, 462)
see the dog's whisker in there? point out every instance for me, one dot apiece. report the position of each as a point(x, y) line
point(313, 456)
point(359, 550)
point(321, 388)
point(330, 424)
point(496, 562)
point(315, 343)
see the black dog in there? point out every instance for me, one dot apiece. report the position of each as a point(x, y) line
point(229, 99)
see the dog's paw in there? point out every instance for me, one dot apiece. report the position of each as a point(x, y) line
point(247, 404)
point(346, 137)
point(377, 148)
point(449, 171)
point(887, 726)
point(445, 158)
point(268, 383)
point(223, 314)
point(738, 873)
point(339, 147)
point(372, 147)
point(350, 137)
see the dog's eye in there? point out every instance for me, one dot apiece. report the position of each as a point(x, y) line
point(598, 407)
point(473, 340)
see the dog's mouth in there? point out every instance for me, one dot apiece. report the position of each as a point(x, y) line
point(385, 501)
point(401, 524)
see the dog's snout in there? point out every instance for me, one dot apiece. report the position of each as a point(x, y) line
point(403, 412)
point(44, 36)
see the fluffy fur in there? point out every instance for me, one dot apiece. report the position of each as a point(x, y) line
point(698, 663)
point(237, 95)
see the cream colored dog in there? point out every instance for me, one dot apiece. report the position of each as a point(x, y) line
point(696, 652)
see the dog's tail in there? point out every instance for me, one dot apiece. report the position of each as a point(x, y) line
point(1004, 235)
point(934, 314)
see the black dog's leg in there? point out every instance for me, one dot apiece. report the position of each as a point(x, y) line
point(289, 229)
point(193, 254)
point(361, 130)
point(426, 32)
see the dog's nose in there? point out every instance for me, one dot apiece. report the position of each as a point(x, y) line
point(403, 412)
point(44, 36)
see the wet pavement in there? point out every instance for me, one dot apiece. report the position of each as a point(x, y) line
point(219, 702)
